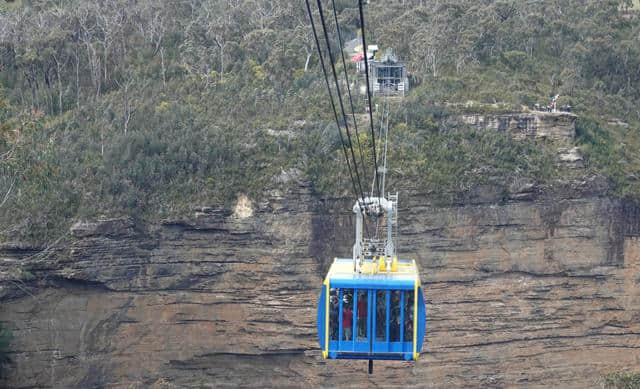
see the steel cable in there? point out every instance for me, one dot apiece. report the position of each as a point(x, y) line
point(333, 105)
point(346, 75)
point(339, 93)
point(366, 70)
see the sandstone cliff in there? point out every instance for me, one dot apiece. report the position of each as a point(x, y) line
point(541, 291)
point(557, 126)
point(525, 285)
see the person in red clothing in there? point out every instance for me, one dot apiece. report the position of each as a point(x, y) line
point(347, 319)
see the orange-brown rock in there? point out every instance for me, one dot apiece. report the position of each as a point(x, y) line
point(535, 289)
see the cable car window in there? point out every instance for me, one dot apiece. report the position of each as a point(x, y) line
point(396, 72)
point(347, 314)
point(408, 317)
point(334, 307)
point(395, 316)
point(381, 313)
point(362, 314)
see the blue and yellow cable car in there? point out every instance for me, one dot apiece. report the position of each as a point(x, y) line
point(372, 306)
point(371, 316)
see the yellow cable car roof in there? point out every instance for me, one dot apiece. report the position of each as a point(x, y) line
point(341, 275)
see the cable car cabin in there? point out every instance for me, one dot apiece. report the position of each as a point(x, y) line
point(371, 314)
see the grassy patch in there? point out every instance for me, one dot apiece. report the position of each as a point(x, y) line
point(612, 151)
point(8, 5)
point(622, 380)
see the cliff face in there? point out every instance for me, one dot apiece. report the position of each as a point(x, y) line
point(538, 289)
point(556, 126)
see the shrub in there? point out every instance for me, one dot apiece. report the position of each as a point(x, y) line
point(622, 380)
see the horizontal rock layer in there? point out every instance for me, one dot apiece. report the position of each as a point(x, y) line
point(557, 126)
point(538, 290)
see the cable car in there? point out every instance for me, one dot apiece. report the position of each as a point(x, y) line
point(371, 306)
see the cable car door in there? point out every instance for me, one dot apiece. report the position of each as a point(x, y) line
point(392, 321)
point(351, 322)
point(381, 319)
point(361, 322)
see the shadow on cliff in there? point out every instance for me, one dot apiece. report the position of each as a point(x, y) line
point(332, 231)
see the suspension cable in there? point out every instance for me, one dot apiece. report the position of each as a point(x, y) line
point(386, 110)
point(366, 69)
point(386, 144)
point(333, 105)
point(339, 93)
point(335, 115)
point(379, 146)
point(346, 75)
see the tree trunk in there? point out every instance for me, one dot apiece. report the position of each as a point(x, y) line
point(221, 61)
point(77, 79)
point(106, 57)
point(58, 66)
point(127, 116)
point(59, 94)
point(35, 102)
point(164, 78)
point(306, 63)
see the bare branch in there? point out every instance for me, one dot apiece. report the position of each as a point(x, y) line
point(6, 196)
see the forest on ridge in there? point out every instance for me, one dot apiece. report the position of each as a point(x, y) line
point(148, 108)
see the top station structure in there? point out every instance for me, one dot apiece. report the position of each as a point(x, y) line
point(387, 74)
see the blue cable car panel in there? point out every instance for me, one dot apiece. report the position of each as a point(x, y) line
point(371, 316)
point(321, 316)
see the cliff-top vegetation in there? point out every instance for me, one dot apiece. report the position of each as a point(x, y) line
point(148, 107)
